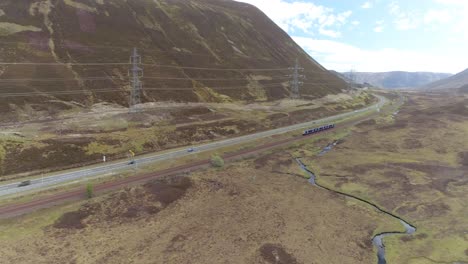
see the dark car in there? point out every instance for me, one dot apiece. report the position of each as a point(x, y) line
point(24, 183)
point(132, 162)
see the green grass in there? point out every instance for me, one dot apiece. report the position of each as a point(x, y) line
point(17, 228)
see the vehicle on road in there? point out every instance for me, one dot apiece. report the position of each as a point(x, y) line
point(132, 162)
point(190, 150)
point(24, 183)
point(318, 129)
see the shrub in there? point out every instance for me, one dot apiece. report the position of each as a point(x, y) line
point(217, 161)
point(89, 190)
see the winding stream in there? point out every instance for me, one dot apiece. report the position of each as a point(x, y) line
point(377, 240)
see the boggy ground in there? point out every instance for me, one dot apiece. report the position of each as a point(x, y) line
point(253, 211)
point(414, 164)
point(77, 137)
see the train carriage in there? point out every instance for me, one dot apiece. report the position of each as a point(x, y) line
point(318, 129)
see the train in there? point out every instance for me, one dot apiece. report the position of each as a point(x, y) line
point(318, 129)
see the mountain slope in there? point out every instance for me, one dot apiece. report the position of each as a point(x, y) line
point(217, 34)
point(349, 81)
point(456, 81)
point(396, 79)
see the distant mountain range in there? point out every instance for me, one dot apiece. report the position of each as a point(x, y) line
point(457, 81)
point(351, 82)
point(396, 79)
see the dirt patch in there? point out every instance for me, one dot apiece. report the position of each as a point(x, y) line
point(370, 122)
point(127, 204)
point(74, 220)
point(307, 114)
point(213, 185)
point(169, 191)
point(279, 119)
point(398, 124)
point(463, 157)
point(275, 159)
point(275, 254)
point(262, 161)
point(202, 132)
point(460, 108)
point(71, 220)
point(411, 238)
point(405, 210)
point(434, 209)
point(427, 210)
point(363, 168)
point(412, 143)
point(176, 244)
point(277, 116)
point(190, 114)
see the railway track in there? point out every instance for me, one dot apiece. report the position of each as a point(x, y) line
point(75, 194)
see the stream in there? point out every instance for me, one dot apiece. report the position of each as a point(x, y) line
point(377, 240)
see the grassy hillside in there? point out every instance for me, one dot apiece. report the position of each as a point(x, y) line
point(189, 33)
point(459, 80)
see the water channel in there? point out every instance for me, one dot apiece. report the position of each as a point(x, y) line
point(377, 240)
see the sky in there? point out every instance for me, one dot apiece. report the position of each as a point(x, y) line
point(377, 35)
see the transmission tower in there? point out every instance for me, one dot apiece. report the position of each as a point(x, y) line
point(136, 74)
point(296, 81)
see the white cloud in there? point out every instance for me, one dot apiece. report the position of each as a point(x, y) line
point(329, 33)
point(378, 29)
point(304, 16)
point(452, 2)
point(457, 10)
point(437, 16)
point(297, 16)
point(394, 8)
point(342, 57)
point(407, 22)
point(403, 20)
point(379, 26)
point(366, 5)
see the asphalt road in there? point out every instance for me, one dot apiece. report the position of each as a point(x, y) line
point(58, 178)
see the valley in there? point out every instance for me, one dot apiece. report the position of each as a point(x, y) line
point(233, 131)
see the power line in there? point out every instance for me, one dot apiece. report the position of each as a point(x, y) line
point(56, 79)
point(104, 90)
point(84, 47)
point(143, 64)
point(152, 65)
point(216, 79)
point(145, 77)
point(65, 63)
point(215, 69)
point(317, 83)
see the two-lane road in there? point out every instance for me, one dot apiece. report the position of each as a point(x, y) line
point(60, 178)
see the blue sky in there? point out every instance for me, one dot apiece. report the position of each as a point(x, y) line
point(377, 35)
